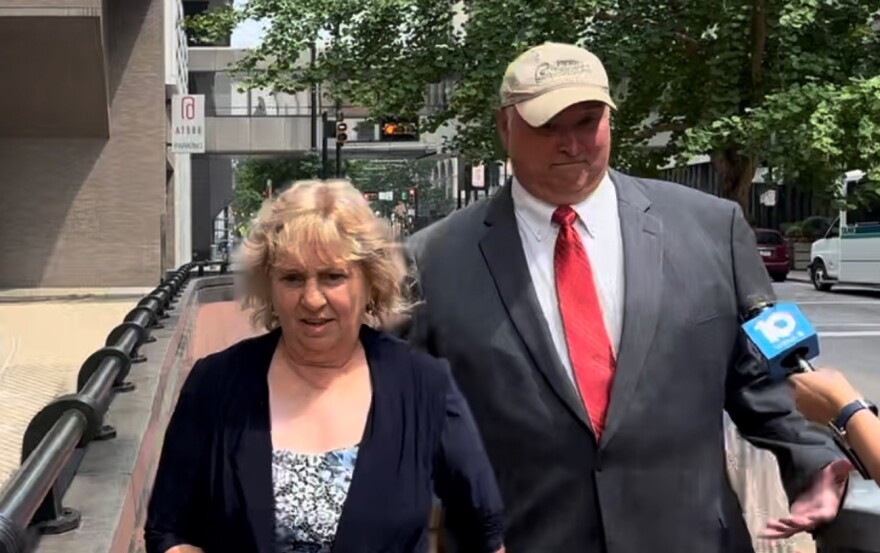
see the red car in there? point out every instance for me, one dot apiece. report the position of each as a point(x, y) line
point(774, 251)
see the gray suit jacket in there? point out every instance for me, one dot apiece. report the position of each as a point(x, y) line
point(657, 479)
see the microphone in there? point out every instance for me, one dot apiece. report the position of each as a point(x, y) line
point(780, 334)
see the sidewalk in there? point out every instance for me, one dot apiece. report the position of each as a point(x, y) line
point(43, 342)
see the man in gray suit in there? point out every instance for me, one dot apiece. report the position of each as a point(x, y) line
point(592, 321)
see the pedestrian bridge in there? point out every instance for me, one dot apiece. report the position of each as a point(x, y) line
point(256, 122)
point(290, 135)
point(89, 456)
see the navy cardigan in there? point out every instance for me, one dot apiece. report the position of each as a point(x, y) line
point(213, 486)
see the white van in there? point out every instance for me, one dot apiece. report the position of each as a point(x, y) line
point(850, 251)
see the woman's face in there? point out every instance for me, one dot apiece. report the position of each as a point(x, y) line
point(320, 309)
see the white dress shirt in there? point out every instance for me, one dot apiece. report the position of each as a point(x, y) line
point(599, 229)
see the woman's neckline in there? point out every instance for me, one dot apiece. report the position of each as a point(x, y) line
point(315, 453)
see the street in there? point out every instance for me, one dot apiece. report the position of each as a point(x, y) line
point(848, 322)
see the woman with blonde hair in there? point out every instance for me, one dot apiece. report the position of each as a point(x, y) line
point(324, 434)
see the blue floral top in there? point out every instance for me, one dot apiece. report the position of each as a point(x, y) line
point(310, 490)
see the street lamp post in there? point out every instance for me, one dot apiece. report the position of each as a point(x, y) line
point(338, 142)
point(313, 89)
point(324, 121)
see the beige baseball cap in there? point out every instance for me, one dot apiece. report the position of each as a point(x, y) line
point(551, 77)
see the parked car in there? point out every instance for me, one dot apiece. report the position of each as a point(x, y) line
point(774, 251)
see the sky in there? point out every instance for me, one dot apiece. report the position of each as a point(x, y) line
point(250, 33)
point(247, 34)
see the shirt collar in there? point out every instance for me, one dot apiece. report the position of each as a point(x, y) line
point(536, 215)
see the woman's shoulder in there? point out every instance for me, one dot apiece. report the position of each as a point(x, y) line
point(401, 356)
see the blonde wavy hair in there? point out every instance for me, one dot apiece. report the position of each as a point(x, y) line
point(332, 223)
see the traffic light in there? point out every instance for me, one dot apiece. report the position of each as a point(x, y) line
point(412, 193)
point(341, 132)
point(399, 130)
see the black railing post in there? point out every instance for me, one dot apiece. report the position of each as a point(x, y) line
point(33, 494)
point(58, 434)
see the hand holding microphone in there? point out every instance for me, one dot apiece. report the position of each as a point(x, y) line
point(825, 395)
point(782, 336)
point(822, 394)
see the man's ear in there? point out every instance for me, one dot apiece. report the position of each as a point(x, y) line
point(502, 122)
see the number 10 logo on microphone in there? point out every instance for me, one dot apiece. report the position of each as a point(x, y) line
point(780, 331)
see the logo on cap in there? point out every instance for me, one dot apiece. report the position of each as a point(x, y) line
point(562, 71)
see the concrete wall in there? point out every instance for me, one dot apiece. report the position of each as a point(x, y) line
point(64, 92)
point(183, 215)
point(89, 212)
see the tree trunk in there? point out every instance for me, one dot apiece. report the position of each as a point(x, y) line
point(737, 173)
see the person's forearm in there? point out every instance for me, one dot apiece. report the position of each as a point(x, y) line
point(863, 434)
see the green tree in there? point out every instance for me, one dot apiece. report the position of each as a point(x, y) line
point(401, 178)
point(370, 177)
point(252, 180)
point(790, 83)
point(252, 177)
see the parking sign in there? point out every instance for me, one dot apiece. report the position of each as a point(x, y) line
point(188, 124)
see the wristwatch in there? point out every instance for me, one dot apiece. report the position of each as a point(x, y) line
point(838, 427)
point(849, 410)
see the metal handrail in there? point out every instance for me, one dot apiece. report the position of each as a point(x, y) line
point(57, 436)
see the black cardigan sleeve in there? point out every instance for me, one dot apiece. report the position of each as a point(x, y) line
point(179, 490)
point(464, 480)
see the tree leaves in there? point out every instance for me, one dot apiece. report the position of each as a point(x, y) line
point(789, 83)
point(252, 176)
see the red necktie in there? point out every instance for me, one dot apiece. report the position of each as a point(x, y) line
point(589, 348)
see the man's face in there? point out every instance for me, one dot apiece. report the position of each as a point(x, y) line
point(563, 161)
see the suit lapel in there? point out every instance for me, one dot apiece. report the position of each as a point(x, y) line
point(643, 281)
point(252, 455)
point(502, 249)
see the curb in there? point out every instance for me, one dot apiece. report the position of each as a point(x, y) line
point(800, 276)
point(71, 297)
point(43, 294)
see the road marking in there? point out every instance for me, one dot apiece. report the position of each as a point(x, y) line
point(863, 302)
point(849, 334)
point(847, 324)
